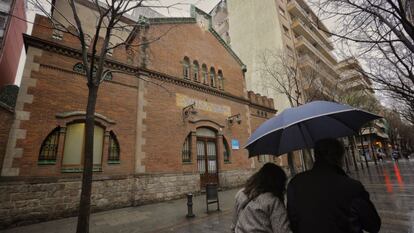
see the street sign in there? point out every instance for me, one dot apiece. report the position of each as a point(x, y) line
point(235, 145)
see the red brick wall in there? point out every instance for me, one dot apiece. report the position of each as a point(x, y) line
point(6, 120)
point(59, 91)
point(194, 42)
point(166, 130)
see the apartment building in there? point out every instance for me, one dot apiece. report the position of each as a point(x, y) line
point(351, 77)
point(314, 52)
point(12, 26)
point(358, 87)
point(289, 28)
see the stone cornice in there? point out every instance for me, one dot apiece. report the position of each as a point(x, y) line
point(83, 113)
point(75, 53)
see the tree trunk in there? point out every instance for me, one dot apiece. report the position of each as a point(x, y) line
point(363, 150)
point(371, 147)
point(351, 140)
point(85, 199)
point(291, 164)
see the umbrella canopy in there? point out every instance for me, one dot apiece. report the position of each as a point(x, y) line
point(300, 127)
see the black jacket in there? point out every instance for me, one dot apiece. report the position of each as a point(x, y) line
point(326, 200)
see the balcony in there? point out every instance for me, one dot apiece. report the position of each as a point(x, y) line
point(302, 44)
point(300, 28)
point(306, 60)
point(297, 11)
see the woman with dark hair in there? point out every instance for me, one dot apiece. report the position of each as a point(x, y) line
point(260, 205)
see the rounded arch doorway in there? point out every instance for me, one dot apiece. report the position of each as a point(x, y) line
point(207, 155)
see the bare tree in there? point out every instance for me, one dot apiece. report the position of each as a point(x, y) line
point(110, 24)
point(283, 74)
point(381, 34)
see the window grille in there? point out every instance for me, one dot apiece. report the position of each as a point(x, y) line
point(186, 68)
point(212, 77)
point(49, 148)
point(186, 150)
point(196, 69)
point(220, 80)
point(114, 150)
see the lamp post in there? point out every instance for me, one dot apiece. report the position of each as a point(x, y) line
point(234, 118)
point(188, 110)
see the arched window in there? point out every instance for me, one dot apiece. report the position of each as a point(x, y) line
point(79, 68)
point(186, 68)
point(196, 69)
point(212, 77)
point(186, 150)
point(49, 148)
point(220, 80)
point(204, 74)
point(226, 151)
point(73, 151)
point(114, 151)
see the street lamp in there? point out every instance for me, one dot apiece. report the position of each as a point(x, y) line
point(188, 110)
point(234, 118)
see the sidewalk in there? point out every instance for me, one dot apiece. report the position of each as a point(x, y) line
point(159, 217)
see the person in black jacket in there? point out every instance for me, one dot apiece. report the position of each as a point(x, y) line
point(325, 200)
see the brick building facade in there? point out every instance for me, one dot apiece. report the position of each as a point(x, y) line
point(171, 117)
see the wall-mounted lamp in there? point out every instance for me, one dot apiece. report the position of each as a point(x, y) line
point(189, 110)
point(234, 118)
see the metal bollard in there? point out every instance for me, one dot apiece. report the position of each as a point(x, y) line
point(190, 205)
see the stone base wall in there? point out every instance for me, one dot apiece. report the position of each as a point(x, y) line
point(33, 200)
point(155, 188)
point(235, 178)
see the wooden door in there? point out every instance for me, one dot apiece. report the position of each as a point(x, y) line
point(207, 160)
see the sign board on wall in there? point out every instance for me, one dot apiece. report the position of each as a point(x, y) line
point(235, 145)
point(183, 100)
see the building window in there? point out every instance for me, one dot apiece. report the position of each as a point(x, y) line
point(49, 148)
point(196, 69)
point(73, 151)
point(186, 150)
point(80, 68)
point(114, 151)
point(186, 68)
point(220, 80)
point(57, 33)
point(226, 151)
point(204, 74)
point(212, 77)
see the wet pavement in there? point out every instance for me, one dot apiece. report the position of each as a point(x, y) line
point(391, 186)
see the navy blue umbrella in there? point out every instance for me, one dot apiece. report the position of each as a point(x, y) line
point(300, 127)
